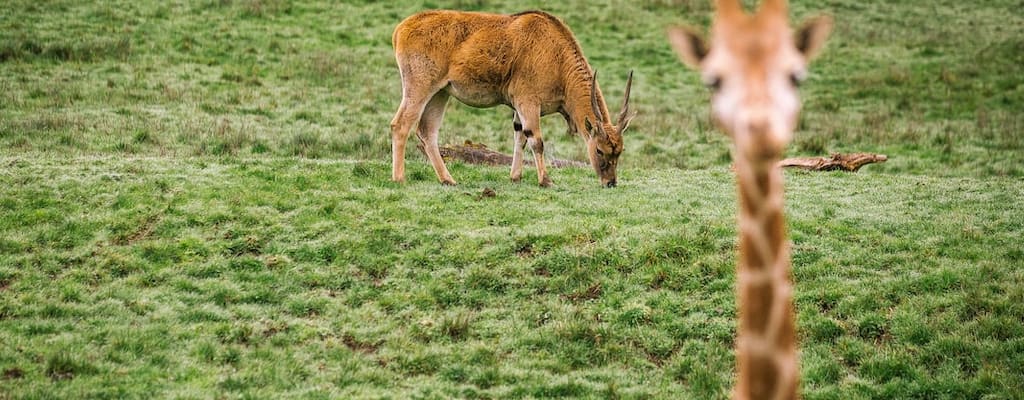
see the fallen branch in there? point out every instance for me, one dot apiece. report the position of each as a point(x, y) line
point(842, 162)
point(478, 153)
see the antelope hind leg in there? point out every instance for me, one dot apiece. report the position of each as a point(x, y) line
point(429, 125)
point(517, 148)
point(531, 130)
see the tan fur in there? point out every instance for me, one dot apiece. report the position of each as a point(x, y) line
point(528, 61)
point(753, 65)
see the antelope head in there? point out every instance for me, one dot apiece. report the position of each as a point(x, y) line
point(753, 66)
point(604, 143)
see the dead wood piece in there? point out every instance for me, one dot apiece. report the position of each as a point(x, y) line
point(842, 162)
point(478, 153)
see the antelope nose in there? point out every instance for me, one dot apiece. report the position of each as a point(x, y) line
point(610, 183)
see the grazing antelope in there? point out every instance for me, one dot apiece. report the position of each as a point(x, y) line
point(529, 61)
point(753, 67)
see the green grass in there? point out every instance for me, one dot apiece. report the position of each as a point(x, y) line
point(195, 203)
point(283, 277)
point(938, 87)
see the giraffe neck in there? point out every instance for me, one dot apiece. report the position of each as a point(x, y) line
point(766, 341)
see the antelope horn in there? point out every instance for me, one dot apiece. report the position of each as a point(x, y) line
point(625, 102)
point(594, 104)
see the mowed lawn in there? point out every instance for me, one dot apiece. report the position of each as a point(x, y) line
point(195, 203)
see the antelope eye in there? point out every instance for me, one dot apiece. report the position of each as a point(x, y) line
point(600, 153)
point(713, 82)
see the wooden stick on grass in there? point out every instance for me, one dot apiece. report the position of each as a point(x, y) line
point(478, 153)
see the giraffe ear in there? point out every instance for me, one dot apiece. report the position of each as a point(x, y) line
point(810, 38)
point(689, 45)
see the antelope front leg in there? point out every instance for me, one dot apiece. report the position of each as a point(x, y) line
point(408, 113)
point(538, 158)
point(517, 148)
point(531, 130)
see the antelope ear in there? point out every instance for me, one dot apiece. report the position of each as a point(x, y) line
point(810, 38)
point(689, 45)
point(592, 130)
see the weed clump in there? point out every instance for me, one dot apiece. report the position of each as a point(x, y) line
point(306, 144)
point(64, 365)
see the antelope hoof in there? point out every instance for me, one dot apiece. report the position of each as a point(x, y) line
point(516, 179)
point(448, 182)
point(545, 182)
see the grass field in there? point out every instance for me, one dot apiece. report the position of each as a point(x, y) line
point(194, 203)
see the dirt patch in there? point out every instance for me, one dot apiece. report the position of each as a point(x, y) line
point(525, 251)
point(478, 153)
point(592, 292)
point(13, 373)
point(143, 232)
point(658, 280)
point(359, 346)
point(488, 193)
point(655, 359)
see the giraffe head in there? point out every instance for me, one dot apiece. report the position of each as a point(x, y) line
point(753, 66)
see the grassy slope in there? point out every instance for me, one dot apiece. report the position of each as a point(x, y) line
point(937, 86)
point(157, 234)
point(274, 277)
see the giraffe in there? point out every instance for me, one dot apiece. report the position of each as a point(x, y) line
point(753, 66)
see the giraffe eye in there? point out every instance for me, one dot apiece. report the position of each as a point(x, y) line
point(797, 78)
point(713, 82)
